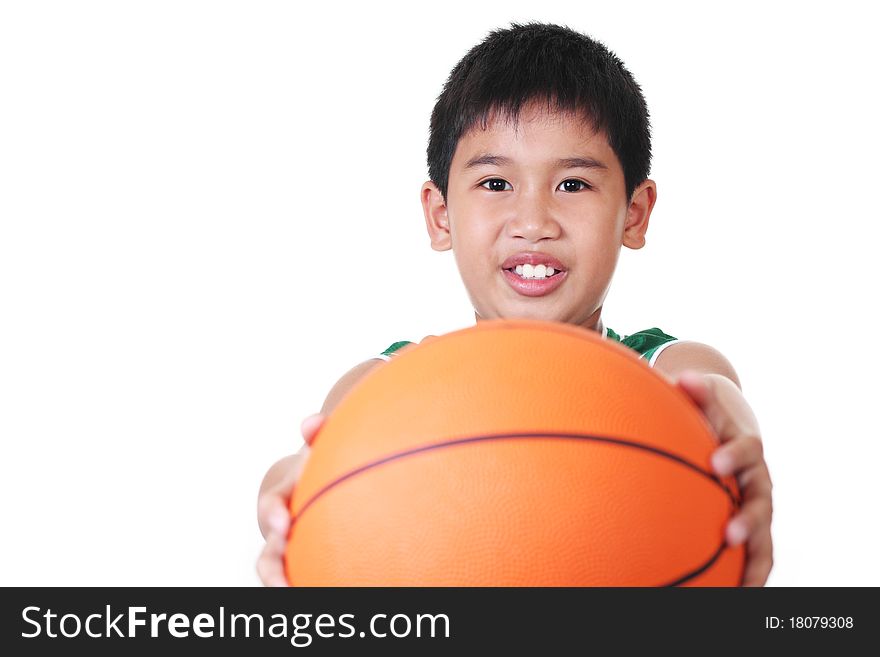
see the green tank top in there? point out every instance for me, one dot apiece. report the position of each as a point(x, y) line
point(647, 344)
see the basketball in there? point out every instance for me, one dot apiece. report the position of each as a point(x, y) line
point(514, 453)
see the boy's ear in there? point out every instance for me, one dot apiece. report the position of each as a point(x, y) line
point(638, 213)
point(436, 217)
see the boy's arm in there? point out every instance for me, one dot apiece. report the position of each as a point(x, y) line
point(293, 463)
point(274, 498)
point(347, 382)
point(702, 358)
point(290, 463)
point(709, 379)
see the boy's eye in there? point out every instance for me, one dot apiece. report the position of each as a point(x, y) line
point(495, 184)
point(574, 185)
point(571, 185)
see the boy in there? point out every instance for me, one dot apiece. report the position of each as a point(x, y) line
point(538, 157)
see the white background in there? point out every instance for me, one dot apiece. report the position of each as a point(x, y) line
point(210, 211)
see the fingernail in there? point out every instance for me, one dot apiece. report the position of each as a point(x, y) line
point(722, 463)
point(736, 533)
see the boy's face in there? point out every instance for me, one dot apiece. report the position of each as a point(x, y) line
point(533, 203)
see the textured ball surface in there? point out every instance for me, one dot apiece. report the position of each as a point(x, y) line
point(513, 453)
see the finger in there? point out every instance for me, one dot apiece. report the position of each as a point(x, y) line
point(701, 389)
point(759, 561)
point(721, 402)
point(738, 454)
point(272, 514)
point(755, 482)
point(696, 386)
point(283, 488)
point(270, 565)
point(754, 517)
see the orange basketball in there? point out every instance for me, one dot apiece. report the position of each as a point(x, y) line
point(513, 453)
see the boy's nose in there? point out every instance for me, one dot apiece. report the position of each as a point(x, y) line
point(534, 221)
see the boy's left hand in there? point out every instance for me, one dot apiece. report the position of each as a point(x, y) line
point(742, 454)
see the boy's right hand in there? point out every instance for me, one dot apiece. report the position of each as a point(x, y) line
point(273, 510)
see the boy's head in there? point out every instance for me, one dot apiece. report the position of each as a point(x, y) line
point(515, 116)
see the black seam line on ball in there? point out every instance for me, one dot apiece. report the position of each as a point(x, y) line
point(563, 436)
point(505, 436)
point(696, 571)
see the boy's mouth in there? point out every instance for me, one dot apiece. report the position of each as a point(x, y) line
point(533, 265)
point(533, 286)
point(534, 273)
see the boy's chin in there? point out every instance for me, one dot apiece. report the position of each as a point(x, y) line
point(532, 312)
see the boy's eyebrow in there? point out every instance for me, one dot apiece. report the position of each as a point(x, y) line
point(562, 163)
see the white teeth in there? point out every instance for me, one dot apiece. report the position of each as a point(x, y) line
point(539, 271)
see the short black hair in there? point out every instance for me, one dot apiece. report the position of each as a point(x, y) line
point(539, 61)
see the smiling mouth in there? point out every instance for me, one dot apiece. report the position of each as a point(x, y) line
point(522, 275)
point(533, 287)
